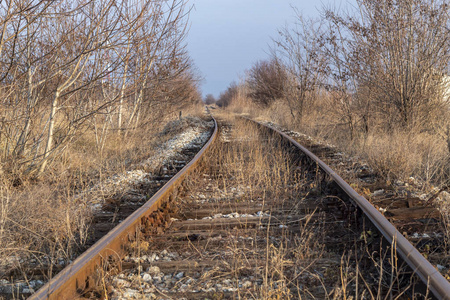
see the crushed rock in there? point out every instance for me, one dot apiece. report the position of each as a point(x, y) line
point(194, 133)
point(138, 288)
point(237, 215)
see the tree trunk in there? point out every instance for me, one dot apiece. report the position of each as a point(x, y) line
point(51, 128)
point(23, 135)
point(122, 89)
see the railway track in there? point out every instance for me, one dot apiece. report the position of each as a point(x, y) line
point(410, 212)
point(417, 222)
point(113, 200)
point(235, 230)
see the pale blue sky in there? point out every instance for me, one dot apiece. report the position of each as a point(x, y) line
point(227, 37)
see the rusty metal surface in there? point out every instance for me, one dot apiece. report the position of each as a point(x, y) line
point(431, 277)
point(77, 276)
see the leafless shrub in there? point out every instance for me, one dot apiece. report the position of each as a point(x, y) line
point(72, 61)
point(209, 99)
point(298, 50)
point(266, 81)
point(226, 97)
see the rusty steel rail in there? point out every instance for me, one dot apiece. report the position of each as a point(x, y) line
point(430, 277)
point(78, 276)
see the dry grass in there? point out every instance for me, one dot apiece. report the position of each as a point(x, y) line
point(290, 265)
point(401, 155)
point(305, 248)
point(396, 153)
point(261, 167)
point(419, 156)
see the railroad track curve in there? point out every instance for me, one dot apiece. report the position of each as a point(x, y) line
point(260, 221)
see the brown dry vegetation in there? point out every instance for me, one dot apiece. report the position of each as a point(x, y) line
point(372, 81)
point(419, 158)
point(398, 154)
point(85, 87)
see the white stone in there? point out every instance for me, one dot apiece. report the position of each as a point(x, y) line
point(39, 282)
point(445, 196)
point(147, 277)
point(157, 279)
point(179, 275)
point(227, 282)
point(378, 193)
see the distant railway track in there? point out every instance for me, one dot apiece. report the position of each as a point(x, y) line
point(208, 227)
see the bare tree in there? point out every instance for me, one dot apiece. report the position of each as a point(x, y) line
point(85, 60)
point(227, 96)
point(266, 81)
point(80, 32)
point(399, 51)
point(209, 99)
point(164, 34)
point(20, 21)
point(298, 47)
